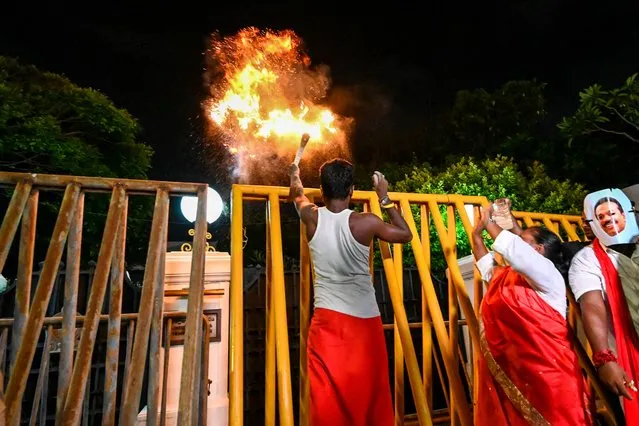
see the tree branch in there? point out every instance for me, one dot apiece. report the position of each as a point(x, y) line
point(614, 132)
point(620, 115)
point(29, 161)
point(88, 137)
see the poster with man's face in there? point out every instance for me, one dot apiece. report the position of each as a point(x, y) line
point(609, 213)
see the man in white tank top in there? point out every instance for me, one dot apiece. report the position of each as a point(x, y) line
point(347, 358)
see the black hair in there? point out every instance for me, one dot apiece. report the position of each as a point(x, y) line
point(336, 177)
point(571, 248)
point(609, 200)
point(553, 248)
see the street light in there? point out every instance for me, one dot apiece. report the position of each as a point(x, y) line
point(214, 206)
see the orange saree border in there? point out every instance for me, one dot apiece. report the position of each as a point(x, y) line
point(519, 401)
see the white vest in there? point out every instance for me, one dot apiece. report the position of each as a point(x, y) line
point(342, 274)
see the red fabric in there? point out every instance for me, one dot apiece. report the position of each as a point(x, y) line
point(348, 371)
point(532, 344)
point(625, 334)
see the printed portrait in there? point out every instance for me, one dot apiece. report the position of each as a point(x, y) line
point(611, 217)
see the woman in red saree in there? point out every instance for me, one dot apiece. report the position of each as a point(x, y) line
point(529, 373)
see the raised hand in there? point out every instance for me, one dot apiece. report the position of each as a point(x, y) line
point(380, 184)
point(484, 217)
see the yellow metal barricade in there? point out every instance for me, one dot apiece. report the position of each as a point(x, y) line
point(429, 209)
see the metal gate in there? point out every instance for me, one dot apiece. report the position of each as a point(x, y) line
point(32, 331)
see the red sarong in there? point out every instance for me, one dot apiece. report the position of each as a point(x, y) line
point(529, 373)
point(625, 334)
point(348, 371)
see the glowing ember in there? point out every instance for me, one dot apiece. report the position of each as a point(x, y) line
point(265, 95)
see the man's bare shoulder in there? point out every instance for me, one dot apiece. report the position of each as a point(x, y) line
point(313, 208)
point(364, 217)
point(309, 213)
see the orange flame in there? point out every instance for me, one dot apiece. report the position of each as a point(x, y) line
point(266, 96)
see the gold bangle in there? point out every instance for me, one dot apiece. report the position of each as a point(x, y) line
point(388, 206)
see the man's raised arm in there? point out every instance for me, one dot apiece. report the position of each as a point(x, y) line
point(586, 286)
point(397, 231)
point(296, 193)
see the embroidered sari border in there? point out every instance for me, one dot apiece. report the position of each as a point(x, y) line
point(519, 401)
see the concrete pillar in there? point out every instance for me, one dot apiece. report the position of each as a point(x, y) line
point(216, 307)
point(466, 267)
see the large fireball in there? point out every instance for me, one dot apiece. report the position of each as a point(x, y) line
point(264, 96)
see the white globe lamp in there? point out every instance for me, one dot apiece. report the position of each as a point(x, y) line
point(214, 206)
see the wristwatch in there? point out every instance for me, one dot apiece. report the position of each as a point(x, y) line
point(386, 202)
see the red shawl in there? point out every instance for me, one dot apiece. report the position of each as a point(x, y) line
point(625, 334)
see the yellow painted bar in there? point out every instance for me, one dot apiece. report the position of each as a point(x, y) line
point(263, 193)
point(427, 330)
point(453, 267)
point(285, 397)
point(538, 216)
point(478, 296)
point(437, 318)
point(528, 221)
point(236, 337)
point(453, 314)
point(414, 376)
point(570, 230)
point(551, 226)
point(270, 388)
point(440, 374)
point(399, 354)
point(305, 316)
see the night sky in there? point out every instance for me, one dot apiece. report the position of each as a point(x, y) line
point(398, 64)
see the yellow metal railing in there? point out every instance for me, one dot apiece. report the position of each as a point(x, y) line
point(430, 207)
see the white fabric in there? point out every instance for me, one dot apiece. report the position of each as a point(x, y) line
point(585, 272)
point(585, 275)
point(485, 265)
point(342, 273)
point(539, 272)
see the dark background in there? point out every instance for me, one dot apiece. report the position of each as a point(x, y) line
point(399, 65)
point(395, 68)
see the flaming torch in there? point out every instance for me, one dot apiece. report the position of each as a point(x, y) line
point(300, 150)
